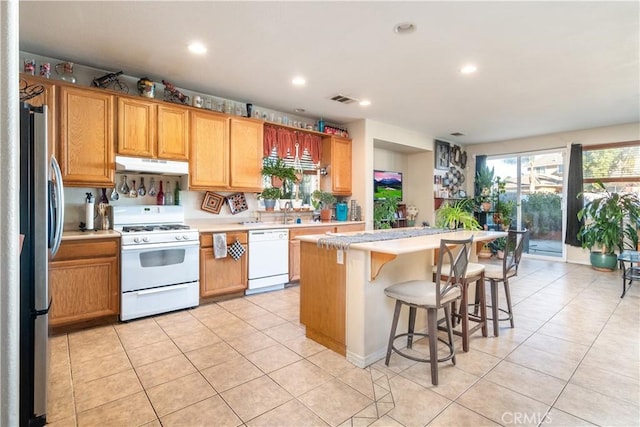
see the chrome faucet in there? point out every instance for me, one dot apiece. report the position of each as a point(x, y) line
point(288, 207)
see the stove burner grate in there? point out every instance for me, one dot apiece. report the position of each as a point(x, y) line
point(151, 228)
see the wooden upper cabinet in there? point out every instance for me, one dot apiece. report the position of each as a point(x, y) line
point(209, 162)
point(173, 132)
point(86, 143)
point(48, 98)
point(136, 127)
point(245, 154)
point(336, 153)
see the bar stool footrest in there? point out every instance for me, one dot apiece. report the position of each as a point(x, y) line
point(417, 359)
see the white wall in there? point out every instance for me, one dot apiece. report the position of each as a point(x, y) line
point(562, 140)
point(412, 157)
point(9, 216)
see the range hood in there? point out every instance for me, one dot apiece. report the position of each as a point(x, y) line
point(151, 166)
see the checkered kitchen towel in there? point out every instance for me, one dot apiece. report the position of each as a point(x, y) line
point(236, 250)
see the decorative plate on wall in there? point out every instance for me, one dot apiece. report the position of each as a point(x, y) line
point(212, 202)
point(237, 203)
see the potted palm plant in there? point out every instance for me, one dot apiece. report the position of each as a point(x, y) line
point(326, 201)
point(610, 220)
point(484, 184)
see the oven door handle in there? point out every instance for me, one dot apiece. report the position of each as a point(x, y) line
point(169, 245)
point(162, 289)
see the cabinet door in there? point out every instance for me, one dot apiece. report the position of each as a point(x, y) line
point(294, 247)
point(245, 154)
point(294, 260)
point(48, 98)
point(136, 127)
point(209, 164)
point(173, 133)
point(221, 276)
point(341, 166)
point(336, 153)
point(83, 289)
point(86, 137)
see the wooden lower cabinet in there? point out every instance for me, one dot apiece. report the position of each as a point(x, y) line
point(224, 275)
point(294, 247)
point(84, 281)
point(325, 322)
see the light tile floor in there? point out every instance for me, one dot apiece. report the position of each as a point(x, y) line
point(572, 359)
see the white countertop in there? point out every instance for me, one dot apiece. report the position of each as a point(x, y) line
point(412, 244)
point(211, 226)
point(206, 226)
point(86, 235)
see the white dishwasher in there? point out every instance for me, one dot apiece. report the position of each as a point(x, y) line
point(268, 260)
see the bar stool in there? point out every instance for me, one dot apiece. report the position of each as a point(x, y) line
point(501, 273)
point(432, 296)
point(474, 274)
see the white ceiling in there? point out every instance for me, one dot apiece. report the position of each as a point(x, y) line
point(543, 67)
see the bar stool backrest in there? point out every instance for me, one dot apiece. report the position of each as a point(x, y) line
point(454, 253)
point(513, 252)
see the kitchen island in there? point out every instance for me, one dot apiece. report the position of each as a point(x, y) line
point(342, 300)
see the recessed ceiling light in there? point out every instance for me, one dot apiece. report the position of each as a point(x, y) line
point(298, 81)
point(299, 110)
point(456, 134)
point(404, 28)
point(468, 69)
point(365, 102)
point(197, 48)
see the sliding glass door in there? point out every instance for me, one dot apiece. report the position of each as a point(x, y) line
point(534, 181)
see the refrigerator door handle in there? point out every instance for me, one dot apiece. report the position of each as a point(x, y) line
point(59, 205)
point(37, 313)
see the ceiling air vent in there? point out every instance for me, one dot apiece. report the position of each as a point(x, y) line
point(342, 99)
point(457, 134)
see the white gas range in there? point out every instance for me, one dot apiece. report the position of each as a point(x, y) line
point(159, 267)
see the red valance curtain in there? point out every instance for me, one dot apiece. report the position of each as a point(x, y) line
point(284, 141)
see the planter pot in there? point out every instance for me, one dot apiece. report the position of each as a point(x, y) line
point(325, 215)
point(603, 262)
point(500, 254)
point(486, 206)
point(484, 253)
point(283, 203)
point(269, 204)
point(297, 203)
point(276, 182)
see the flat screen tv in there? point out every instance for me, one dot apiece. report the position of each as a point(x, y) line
point(387, 184)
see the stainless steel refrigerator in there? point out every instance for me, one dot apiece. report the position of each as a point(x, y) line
point(41, 219)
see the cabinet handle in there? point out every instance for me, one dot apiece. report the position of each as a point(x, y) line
point(163, 289)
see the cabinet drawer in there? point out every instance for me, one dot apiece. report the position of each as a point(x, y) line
point(206, 239)
point(81, 249)
point(294, 232)
point(349, 227)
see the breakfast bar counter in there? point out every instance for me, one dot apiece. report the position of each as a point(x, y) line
point(342, 282)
